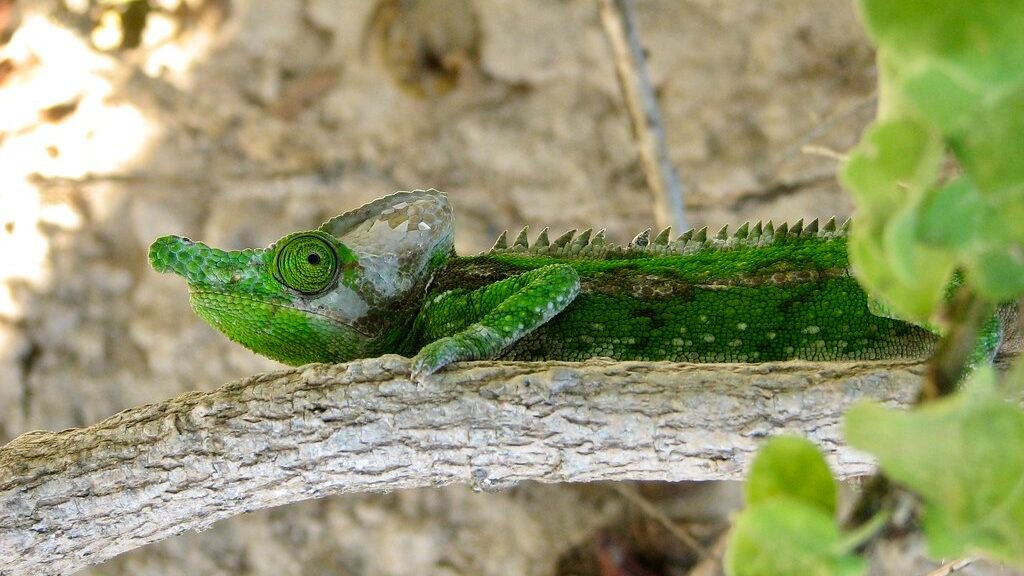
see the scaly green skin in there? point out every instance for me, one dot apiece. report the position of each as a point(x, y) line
point(385, 279)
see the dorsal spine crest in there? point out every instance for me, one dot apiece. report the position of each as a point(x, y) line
point(588, 244)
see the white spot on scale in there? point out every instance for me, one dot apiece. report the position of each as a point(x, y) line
point(812, 330)
point(709, 338)
point(741, 326)
point(423, 226)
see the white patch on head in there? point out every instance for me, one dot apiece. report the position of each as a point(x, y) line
point(341, 303)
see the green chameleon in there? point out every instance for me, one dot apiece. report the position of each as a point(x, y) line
point(384, 278)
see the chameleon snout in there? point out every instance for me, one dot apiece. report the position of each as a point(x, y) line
point(198, 263)
point(171, 254)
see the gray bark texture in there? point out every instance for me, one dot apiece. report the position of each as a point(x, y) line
point(78, 497)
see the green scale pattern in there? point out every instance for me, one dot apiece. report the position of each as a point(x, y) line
point(748, 304)
point(811, 321)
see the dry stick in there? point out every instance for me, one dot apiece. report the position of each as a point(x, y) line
point(77, 497)
point(822, 128)
point(637, 499)
point(824, 151)
point(644, 114)
point(952, 567)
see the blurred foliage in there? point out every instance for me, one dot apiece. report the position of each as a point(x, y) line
point(951, 93)
point(939, 184)
point(789, 525)
point(964, 455)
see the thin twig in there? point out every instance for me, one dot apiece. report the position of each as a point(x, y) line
point(822, 128)
point(815, 150)
point(645, 505)
point(644, 114)
point(951, 567)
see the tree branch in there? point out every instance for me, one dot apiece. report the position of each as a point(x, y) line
point(78, 497)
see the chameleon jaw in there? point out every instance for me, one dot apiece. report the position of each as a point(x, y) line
point(285, 333)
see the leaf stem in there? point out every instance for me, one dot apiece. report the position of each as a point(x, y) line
point(863, 533)
point(967, 312)
point(875, 498)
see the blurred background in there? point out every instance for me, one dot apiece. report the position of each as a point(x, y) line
point(237, 121)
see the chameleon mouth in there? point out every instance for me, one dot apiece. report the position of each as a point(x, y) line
point(201, 297)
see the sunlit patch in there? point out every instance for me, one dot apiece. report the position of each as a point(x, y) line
point(64, 118)
point(22, 245)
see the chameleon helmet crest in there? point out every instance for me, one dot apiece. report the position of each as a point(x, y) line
point(307, 262)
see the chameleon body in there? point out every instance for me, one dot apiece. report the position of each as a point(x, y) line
point(384, 278)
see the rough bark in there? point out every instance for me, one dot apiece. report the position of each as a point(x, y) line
point(77, 497)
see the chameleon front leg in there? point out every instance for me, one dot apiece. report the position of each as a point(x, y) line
point(506, 311)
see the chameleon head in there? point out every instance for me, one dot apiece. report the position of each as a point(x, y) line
point(293, 301)
point(324, 295)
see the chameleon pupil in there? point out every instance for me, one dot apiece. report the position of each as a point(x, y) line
point(313, 259)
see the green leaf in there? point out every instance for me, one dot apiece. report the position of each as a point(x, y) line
point(992, 151)
point(940, 95)
point(893, 159)
point(986, 236)
point(787, 536)
point(998, 273)
point(890, 173)
point(980, 37)
point(882, 267)
point(953, 216)
point(965, 457)
point(793, 467)
point(914, 263)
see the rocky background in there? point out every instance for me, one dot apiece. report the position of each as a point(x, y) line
point(237, 121)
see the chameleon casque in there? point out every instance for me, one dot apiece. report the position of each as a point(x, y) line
point(384, 278)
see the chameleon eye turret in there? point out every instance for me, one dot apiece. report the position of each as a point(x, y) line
point(307, 262)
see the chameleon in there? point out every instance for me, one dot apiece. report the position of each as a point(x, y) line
point(385, 278)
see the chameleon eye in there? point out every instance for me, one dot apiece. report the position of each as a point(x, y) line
point(306, 262)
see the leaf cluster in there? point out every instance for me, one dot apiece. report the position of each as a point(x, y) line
point(939, 184)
